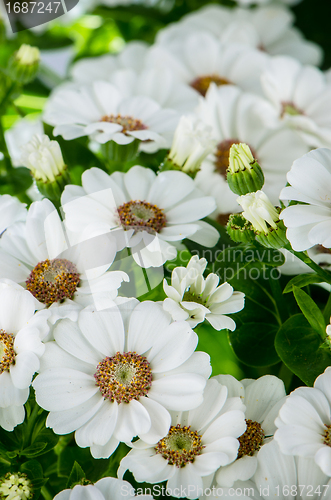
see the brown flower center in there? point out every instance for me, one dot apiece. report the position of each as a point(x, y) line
point(53, 280)
point(327, 435)
point(124, 377)
point(128, 123)
point(7, 353)
point(252, 439)
point(180, 446)
point(201, 84)
point(142, 216)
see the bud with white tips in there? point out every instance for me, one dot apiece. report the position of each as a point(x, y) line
point(15, 486)
point(264, 218)
point(44, 158)
point(192, 142)
point(244, 174)
point(24, 64)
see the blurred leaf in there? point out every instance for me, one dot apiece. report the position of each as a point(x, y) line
point(253, 343)
point(310, 310)
point(302, 280)
point(32, 469)
point(76, 475)
point(301, 349)
point(34, 450)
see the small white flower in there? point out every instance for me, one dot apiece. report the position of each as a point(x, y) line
point(105, 489)
point(304, 423)
point(16, 487)
point(196, 445)
point(309, 222)
point(262, 398)
point(27, 55)
point(193, 298)
point(113, 376)
point(43, 157)
point(258, 210)
point(149, 212)
point(101, 112)
point(21, 334)
point(192, 142)
point(19, 134)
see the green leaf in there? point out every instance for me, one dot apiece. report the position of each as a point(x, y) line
point(301, 281)
point(253, 343)
point(32, 469)
point(312, 313)
point(301, 349)
point(76, 475)
point(34, 450)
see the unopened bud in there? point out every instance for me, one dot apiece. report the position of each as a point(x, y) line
point(239, 229)
point(244, 174)
point(24, 64)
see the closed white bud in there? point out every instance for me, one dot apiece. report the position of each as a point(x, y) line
point(258, 210)
point(192, 142)
point(43, 157)
point(27, 55)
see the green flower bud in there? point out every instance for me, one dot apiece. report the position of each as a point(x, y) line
point(244, 174)
point(275, 238)
point(24, 64)
point(239, 229)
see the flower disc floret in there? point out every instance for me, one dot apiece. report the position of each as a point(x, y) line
point(53, 280)
point(142, 216)
point(180, 446)
point(124, 377)
point(202, 83)
point(16, 486)
point(7, 353)
point(128, 123)
point(252, 439)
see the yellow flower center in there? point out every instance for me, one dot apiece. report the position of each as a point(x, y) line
point(142, 216)
point(128, 123)
point(180, 446)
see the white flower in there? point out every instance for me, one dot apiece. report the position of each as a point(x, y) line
point(16, 487)
point(192, 143)
point(111, 377)
point(268, 28)
point(238, 117)
point(22, 132)
point(304, 423)
point(11, 210)
point(21, 334)
point(263, 398)
point(309, 222)
point(150, 213)
point(101, 112)
point(197, 444)
point(301, 98)
point(258, 210)
point(107, 488)
point(43, 157)
point(193, 298)
point(213, 62)
point(35, 254)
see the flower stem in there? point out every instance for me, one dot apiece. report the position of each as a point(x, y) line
point(304, 257)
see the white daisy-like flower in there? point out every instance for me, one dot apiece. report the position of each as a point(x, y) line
point(238, 117)
point(11, 210)
point(309, 222)
point(35, 254)
point(90, 69)
point(301, 98)
point(21, 334)
point(197, 443)
point(113, 376)
point(192, 298)
point(16, 486)
point(304, 423)
point(107, 488)
point(268, 28)
point(149, 212)
point(200, 59)
point(101, 112)
point(262, 398)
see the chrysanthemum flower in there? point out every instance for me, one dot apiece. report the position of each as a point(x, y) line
point(309, 222)
point(113, 376)
point(196, 445)
point(101, 112)
point(153, 211)
point(192, 298)
point(35, 254)
point(304, 423)
point(107, 488)
point(263, 398)
point(21, 334)
point(237, 117)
